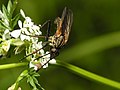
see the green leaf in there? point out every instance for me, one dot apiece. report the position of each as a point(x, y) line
point(9, 6)
point(13, 6)
point(5, 12)
point(22, 75)
point(17, 42)
point(15, 20)
point(19, 49)
point(36, 81)
point(31, 82)
point(3, 24)
point(2, 27)
point(36, 74)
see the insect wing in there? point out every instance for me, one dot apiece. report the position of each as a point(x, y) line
point(65, 25)
point(67, 20)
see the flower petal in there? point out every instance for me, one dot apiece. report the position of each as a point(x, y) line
point(16, 33)
point(22, 13)
point(20, 23)
point(53, 61)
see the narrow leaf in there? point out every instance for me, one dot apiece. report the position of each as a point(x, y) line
point(15, 20)
point(5, 13)
point(9, 6)
point(36, 81)
point(4, 25)
point(14, 6)
point(31, 81)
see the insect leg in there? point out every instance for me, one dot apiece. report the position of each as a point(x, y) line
point(46, 38)
point(48, 22)
point(44, 45)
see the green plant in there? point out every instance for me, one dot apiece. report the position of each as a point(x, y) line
point(21, 41)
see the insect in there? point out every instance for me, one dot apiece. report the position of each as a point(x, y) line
point(60, 38)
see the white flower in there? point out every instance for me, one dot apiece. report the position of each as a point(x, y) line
point(53, 61)
point(27, 30)
point(6, 46)
point(24, 37)
point(45, 59)
point(22, 13)
point(16, 33)
point(42, 62)
point(33, 65)
point(36, 30)
point(20, 23)
point(37, 46)
point(6, 34)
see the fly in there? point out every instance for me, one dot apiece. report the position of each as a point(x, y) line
point(60, 38)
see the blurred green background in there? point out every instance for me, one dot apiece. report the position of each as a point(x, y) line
point(92, 18)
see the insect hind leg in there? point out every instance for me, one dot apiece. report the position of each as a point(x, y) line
point(48, 22)
point(44, 45)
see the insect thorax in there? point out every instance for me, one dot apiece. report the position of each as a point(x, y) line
point(55, 41)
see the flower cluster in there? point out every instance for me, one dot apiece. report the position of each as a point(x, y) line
point(27, 29)
point(27, 32)
point(25, 37)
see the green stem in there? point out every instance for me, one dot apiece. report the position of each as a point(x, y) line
point(22, 76)
point(13, 65)
point(90, 75)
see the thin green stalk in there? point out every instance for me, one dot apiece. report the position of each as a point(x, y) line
point(13, 65)
point(21, 77)
point(90, 75)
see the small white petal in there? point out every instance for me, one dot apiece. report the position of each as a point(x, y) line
point(34, 39)
point(29, 21)
point(42, 52)
point(53, 61)
point(40, 44)
point(16, 33)
point(44, 63)
point(26, 32)
point(20, 23)
point(25, 37)
point(22, 13)
point(31, 65)
point(45, 66)
point(47, 56)
point(6, 31)
point(31, 30)
point(22, 37)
